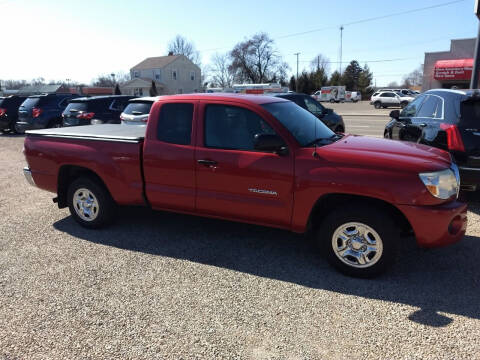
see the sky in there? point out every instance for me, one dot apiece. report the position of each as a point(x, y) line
point(79, 40)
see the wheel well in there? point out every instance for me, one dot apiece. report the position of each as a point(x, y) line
point(328, 203)
point(66, 175)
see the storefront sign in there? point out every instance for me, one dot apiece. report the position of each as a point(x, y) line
point(460, 69)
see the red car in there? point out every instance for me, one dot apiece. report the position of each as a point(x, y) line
point(261, 160)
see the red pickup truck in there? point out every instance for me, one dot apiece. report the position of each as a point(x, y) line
point(261, 160)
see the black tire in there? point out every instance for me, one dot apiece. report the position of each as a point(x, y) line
point(5, 131)
point(403, 104)
point(377, 104)
point(55, 124)
point(376, 219)
point(12, 128)
point(105, 210)
point(332, 101)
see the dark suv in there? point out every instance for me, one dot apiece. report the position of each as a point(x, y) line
point(447, 119)
point(95, 110)
point(328, 116)
point(42, 111)
point(9, 112)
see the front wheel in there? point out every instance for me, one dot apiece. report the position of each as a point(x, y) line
point(90, 203)
point(360, 241)
point(377, 105)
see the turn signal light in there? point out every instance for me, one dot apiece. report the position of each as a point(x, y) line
point(454, 139)
point(36, 112)
point(3, 111)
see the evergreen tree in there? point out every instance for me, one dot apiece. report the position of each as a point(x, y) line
point(365, 82)
point(117, 90)
point(153, 89)
point(292, 85)
point(351, 75)
point(335, 79)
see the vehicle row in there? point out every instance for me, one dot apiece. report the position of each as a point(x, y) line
point(21, 113)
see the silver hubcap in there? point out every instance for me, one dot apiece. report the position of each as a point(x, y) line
point(357, 245)
point(85, 204)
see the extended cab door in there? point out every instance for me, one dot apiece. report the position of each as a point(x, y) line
point(168, 158)
point(233, 179)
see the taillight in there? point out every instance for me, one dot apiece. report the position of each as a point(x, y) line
point(36, 112)
point(454, 139)
point(86, 115)
point(3, 111)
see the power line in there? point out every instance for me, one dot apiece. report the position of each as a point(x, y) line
point(365, 61)
point(369, 19)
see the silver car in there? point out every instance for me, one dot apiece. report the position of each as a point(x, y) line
point(137, 111)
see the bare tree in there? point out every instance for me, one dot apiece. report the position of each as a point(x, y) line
point(181, 46)
point(257, 60)
point(220, 72)
point(320, 62)
point(110, 80)
point(415, 78)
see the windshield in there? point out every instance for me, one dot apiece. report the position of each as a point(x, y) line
point(138, 108)
point(303, 125)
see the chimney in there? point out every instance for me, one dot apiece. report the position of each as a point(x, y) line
point(170, 53)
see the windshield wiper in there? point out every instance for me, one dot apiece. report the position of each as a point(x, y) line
point(331, 139)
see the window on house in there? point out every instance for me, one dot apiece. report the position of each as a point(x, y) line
point(192, 75)
point(138, 92)
point(157, 75)
point(174, 74)
point(136, 74)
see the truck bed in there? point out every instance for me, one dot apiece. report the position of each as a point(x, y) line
point(105, 132)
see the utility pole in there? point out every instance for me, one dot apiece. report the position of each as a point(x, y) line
point(318, 62)
point(341, 47)
point(296, 82)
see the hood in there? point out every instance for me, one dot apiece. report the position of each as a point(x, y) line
point(369, 152)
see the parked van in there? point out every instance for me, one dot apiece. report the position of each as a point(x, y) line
point(330, 93)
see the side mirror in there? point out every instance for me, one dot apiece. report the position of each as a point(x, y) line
point(395, 114)
point(268, 142)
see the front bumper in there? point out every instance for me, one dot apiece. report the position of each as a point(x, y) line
point(470, 177)
point(28, 175)
point(22, 126)
point(439, 225)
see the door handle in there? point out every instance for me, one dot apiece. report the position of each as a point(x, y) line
point(422, 125)
point(207, 162)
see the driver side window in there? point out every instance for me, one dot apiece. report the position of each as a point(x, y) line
point(313, 107)
point(412, 108)
point(233, 127)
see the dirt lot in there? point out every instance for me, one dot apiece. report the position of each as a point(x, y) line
point(166, 286)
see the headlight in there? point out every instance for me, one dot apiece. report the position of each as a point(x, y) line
point(442, 184)
point(96, 122)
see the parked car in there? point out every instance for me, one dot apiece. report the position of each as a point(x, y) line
point(384, 99)
point(353, 96)
point(449, 120)
point(261, 160)
point(137, 111)
point(42, 111)
point(95, 110)
point(328, 116)
point(9, 112)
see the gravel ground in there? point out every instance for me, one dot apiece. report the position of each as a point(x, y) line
point(167, 286)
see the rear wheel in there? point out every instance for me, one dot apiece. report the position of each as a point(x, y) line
point(359, 241)
point(90, 203)
point(377, 105)
point(332, 101)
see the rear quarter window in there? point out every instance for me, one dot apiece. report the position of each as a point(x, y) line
point(78, 106)
point(139, 108)
point(30, 102)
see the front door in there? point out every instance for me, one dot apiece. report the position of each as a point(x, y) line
point(233, 179)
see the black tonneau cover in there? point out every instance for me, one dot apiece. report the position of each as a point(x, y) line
point(105, 132)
